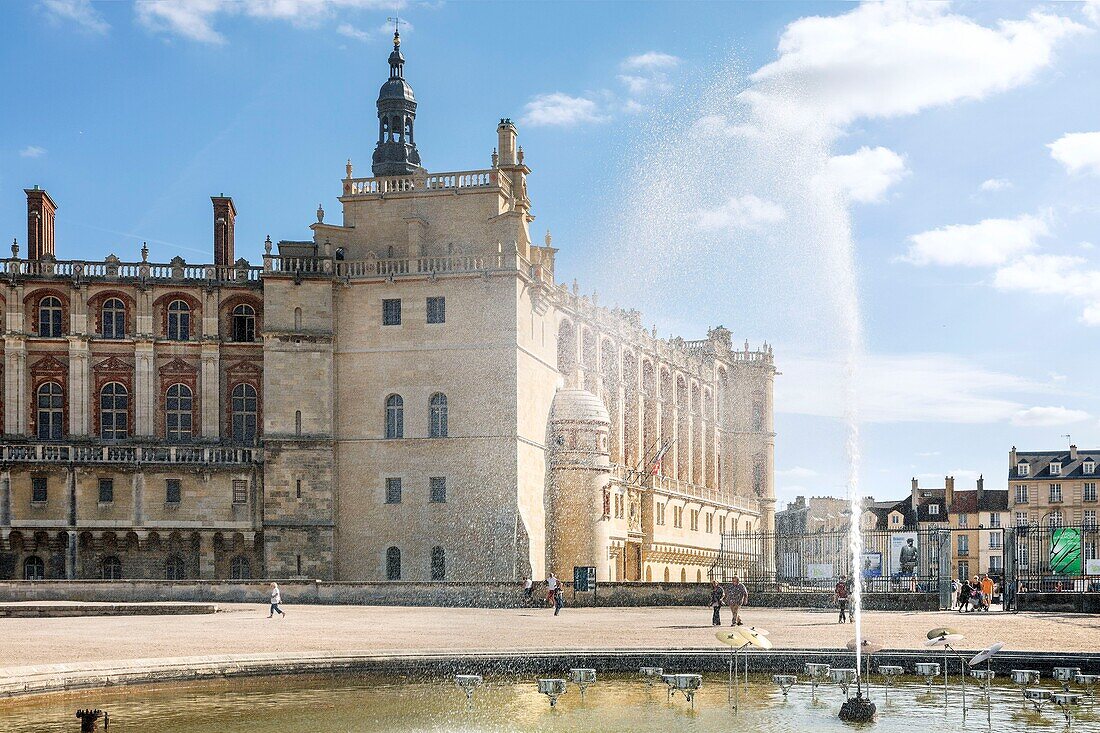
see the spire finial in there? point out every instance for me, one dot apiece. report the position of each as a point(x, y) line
point(396, 20)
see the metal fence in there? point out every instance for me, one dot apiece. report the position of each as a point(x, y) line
point(890, 561)
point(1057, 558)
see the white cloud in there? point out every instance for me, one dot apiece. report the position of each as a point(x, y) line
point(32, 151)
point(194, 19)
point(649, 61)
point(80, 12)
point(1065, 275)
point(1079, 152)
point(928, 454)
point(885, 59)
point(990, 242)
point(894, 388)
point(1091, 9)
point(744, 212)
point(1048, 416)
point(350, 31)
point(865, 175)
point(995, 184)
point(797, 472)
point(561, 110)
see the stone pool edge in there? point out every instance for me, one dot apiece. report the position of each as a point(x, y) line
point(46, 679)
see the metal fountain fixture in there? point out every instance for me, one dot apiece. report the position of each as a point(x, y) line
point(739, 639)
point(785, 682)
point(985, 676)
point(889, 672)
point(929, 671)
point(817, 673)
point(553, 689)
point(1024, 678)
point(843, 677)
point(686, 684)
point(651, 674)
point(947, 638)
point(1066, 675)
point(468, 683)
point(1037, 697)
point(582, 678)
point(1068, 702)
point(1089, 682)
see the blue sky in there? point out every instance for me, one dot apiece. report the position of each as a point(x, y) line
point(706, 162)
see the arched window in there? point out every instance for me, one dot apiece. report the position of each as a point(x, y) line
point(666, 575)
point(49, 317)
point(174, 568)
point(439, 563)
point(179, 320)
point(51, 401)
point(393, 564)
point(114, 403)
point(297, 422)
point(111, 568)
point(244, 407)
point(34, 568)
point(297, 319)
point(114, 319)
point(177, 412)
point(240, 568)
point(683, 575)
point(244, 323)
point(438, 410)
point(395, 416)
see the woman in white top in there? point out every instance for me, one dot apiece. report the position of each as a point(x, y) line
point(276, 599)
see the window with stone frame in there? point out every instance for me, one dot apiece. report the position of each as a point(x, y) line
point(49, 317)
point(50, 411)
point(1055, 493)
point(113, 319)
point(439, 563)
point(393, 564)
point(1054, 519)
point(393, 490)
point(1088, 492)
point(437, 409)
point(106, 490)
point(178, 415)
point(173, 491)
point(437, 490)
point(437, 310)
point(39, 489)
point(34, 568)
point(1021, 519)
point(244, 411)
point(243, 323)
point(179, 321)
point(391, 311)
point(395, 417)
point(111, 568)
point(1089, 520)
point(240, 568)
point(114, 411)
point(240, 491)
point(175, 568)
point(1021, 494)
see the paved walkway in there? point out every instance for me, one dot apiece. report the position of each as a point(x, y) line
point(245, 629)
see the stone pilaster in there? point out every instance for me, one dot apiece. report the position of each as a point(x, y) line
point(15, 386)
point(80, 399)
point(210, 387)
point(146, 392)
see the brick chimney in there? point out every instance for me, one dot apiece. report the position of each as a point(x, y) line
point(981, 488)
point(1073, 453)
point(225, 218)
point(40, 216)
point(914, 499)
point(1012, 461)
point(948, 490)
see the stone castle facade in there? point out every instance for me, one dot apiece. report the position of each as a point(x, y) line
point(409, 394)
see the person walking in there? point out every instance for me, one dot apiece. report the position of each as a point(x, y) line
point(552, 584)
point(528, 588)
point(737, 595)
point(840, 594)
point(559, 598)
point(276, 599)
point(987, 591)
point(964, 595)
point(717, 600)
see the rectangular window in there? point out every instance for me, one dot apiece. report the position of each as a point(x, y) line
point(995, 540)
point(172, 491)
point(1023, 469)
point(38, 489)
point(996, 564)
point(964, 545)
point(391, 312)
point(1090, 550)
point(964, 569)
point(298, 489)
point(1055, 493)
point(437, 489)
point(1055, 469)
point(964, 521)
point(106, 490)
point(933, 509)
point(1023, 556)
point(393, 491)
point(1021, 493)
point(1021, 519)
point(1090, 519)
point(994, 519)
point(1090, 491)
point(437, 310)
point(1088, 467)
point(240, 491)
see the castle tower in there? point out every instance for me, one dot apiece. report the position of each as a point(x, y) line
point(578, 518)
point(40, 222)
point(396, 154)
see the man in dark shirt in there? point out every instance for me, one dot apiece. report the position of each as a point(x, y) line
point(840, 593)
point(717, 598)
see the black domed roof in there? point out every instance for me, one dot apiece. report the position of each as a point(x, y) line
point(396, 89)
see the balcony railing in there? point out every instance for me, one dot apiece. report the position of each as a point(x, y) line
point(57, 453)
point(114, 269)
point(458, 180)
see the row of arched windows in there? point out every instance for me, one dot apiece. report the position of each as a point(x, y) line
point(113, 320)
point(438, 563)
point(437, 416)
point(110, 568)
point(114, 412)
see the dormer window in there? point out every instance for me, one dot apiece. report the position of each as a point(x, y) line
point(933, 509)
point(1055, 469)
point(1088, 467)
point(1022, 469)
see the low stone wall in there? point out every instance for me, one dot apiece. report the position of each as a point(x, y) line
point(1059, 602)
point(467, 595)
point(73, 610)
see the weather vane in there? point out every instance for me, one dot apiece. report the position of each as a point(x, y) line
point(396, 20)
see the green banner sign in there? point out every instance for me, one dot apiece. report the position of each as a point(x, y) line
point(1065, 551)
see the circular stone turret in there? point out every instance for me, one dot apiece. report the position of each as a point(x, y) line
point(577, 499)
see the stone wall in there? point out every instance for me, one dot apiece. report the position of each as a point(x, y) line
point(1059, 602)
point(469, 595)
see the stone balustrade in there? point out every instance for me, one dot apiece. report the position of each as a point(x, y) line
point(113, 269)
point(671, 485)
point(130, 453)
point(454, 181)
point(385, 267)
